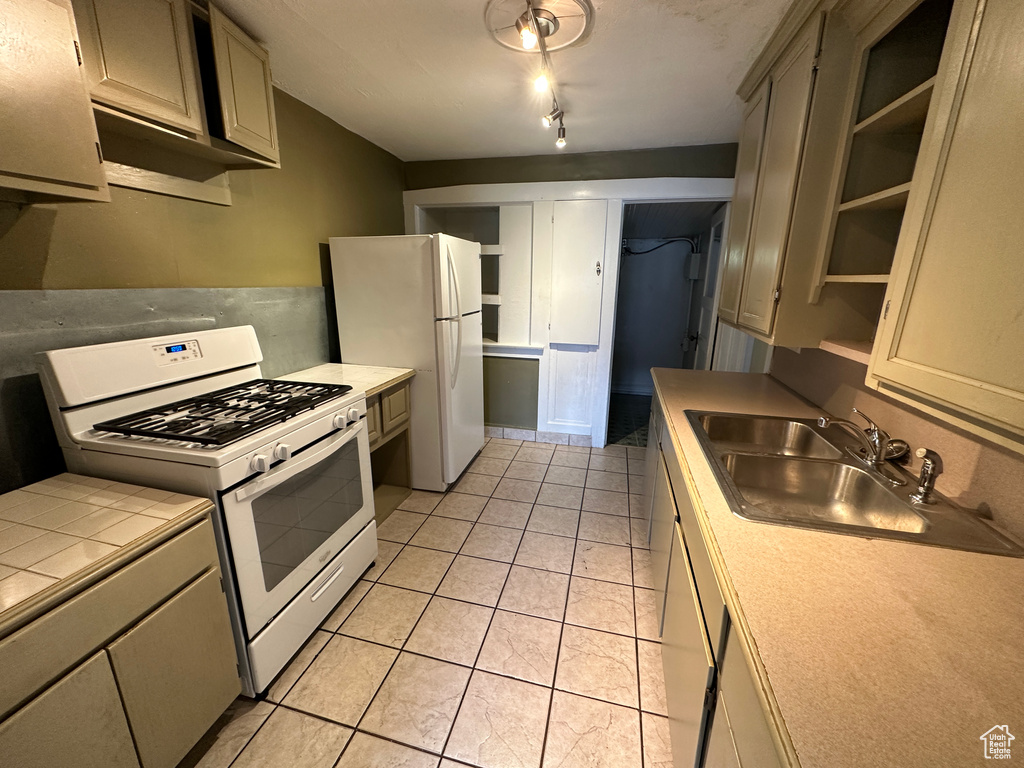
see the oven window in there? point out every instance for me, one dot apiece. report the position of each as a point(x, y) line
point(296, 517)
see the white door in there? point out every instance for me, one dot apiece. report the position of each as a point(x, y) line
point(709, 300)
point(577, 268)
point(461, 391)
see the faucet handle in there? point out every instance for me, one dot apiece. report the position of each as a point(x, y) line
point(871, 425)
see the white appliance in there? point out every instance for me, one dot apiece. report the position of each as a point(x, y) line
point(287, 463)
point(413, 301)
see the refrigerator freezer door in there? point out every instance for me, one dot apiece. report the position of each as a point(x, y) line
point(461, 386)
point(457, 288)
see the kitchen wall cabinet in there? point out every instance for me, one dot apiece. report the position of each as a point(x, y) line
point(161, 619)
point(577, 259)
point(953, 326)
point(49, 151)
point(138, 58)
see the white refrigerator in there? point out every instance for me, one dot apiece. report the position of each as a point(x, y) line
point(413, 301)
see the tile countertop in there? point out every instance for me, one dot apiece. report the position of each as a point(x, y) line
point(369, 378)
point(61, 535)
point(872, 652)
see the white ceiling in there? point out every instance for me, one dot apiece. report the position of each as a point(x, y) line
point(425, 80)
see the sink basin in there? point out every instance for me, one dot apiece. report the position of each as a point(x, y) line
point(817, 493)
point(764, 434)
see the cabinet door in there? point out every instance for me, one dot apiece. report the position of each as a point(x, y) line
point(76, 723)
point(577, 266)
point(373, 422)
point(748, 162)
point(177, 671)
point(138, 57)
point(663, 521)
point(792, 83)
point(49, 143)
point(952, 333)
point(246, 93)
point(686, 655)
point(394, 408)
point(721, 747)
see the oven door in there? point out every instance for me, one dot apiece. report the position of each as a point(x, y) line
point(284, 525)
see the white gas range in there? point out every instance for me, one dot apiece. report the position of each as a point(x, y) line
point(287, 463)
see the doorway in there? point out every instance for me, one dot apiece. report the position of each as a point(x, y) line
point(665, 313)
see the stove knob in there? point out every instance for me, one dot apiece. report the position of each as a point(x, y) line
point(282, 452)
point(353, 414)
point(260, 463)
point(339, 421)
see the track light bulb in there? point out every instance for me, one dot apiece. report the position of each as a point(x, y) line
point(541, 83)
point(550, 118)
point(561, 137)
point(529, 38)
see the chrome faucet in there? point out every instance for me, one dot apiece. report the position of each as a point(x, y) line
point(931, 468)
point(875, 440)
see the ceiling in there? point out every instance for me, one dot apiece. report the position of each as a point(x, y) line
point(643, 221)
point(426, 81)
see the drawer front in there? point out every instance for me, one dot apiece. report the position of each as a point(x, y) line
point(177, 671)
point(394, 408)
point(76, 723)
point(373, 430)
point(42, 651)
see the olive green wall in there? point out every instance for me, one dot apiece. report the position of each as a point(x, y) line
point(714, 161)
point(510, 392)
point(331, 182)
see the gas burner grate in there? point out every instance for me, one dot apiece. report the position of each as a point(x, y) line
point(226, 415)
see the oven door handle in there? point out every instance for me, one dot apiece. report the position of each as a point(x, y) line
point(292, 467)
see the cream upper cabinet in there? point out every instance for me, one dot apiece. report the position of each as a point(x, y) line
point(792, 81)
point(246, 93)
point(138, 58)
point(953, 329)
point(48, 148)
point(577, 264)
point(748, 161)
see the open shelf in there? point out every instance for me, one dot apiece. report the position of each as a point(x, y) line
point(904, 115)
point(491, 250)
point(858, 351)
point(857, 278)
point(491, 298)
point(892, 199)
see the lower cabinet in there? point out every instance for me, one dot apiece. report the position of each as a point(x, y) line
point(721, 747)
point(663, 520)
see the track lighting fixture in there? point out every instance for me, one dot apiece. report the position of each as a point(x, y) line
point(533, 24)
point(560, 143)
point(550, 117)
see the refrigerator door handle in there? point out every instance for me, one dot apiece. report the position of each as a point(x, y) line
point(455, 281)
point(458, 352)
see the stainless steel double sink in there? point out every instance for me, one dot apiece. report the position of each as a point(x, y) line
point(796, 473)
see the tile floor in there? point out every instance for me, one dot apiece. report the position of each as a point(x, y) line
point(628, 416)
point(509, 622)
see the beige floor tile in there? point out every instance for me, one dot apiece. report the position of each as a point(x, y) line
point(642, 574)
point(417, 568)
point(227, 737)
point(341, 681)
point(386, 615)
point(537, 593)
point(566, 476)
point(521, 646)
point(646, 614)
point(600, 605)
point(553, 438)
point(517, 490)
point(387, 551)
point(474, 580)
point(509, 441)
point(657, 741)
point(607, 529)
point(421, 501)
point(417, 703)
point(570, 458)
point(639, 532)
point(535, 454)
point(618, 451)
point(510, 514)
point(583, 733)
point(636, 485)
point(346, 606)
point(400, 526)
point(636, 462)
point(603, 561)
point(635, 453)
point(652, 678)
point(366, 751)
point(492, 542)
point(577, 444)
point(598, 664)
point(296, 740)
point(567, 496)
point(442, 533)
point(606, 481)
point(484, 465)
point(477, 485)
point(608, 463)
point(606, 502)
point(290, 674)
point(525, 470)
point(542, 550)
point(461, 506)
point(494, 450)
point(500, 724)
point(557, 521)
point(450, 630)
point(638, 505)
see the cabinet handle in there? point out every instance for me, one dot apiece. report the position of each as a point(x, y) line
point(599, 268)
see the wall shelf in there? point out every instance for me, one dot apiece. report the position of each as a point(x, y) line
point(857, 278)
point(491, 250)
point(490, 298)
point(892, 199)
point(904, 114)
point(858, 351)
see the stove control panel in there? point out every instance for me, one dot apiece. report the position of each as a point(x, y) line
point(176, 352)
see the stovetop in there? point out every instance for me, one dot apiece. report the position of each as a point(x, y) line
point(226, 415)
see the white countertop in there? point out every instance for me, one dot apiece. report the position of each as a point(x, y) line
point(371, 379)
point(874, 652)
